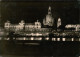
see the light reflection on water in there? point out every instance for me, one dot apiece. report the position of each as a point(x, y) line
point(41, 38)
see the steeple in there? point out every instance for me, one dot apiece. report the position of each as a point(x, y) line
point(59, 22)
point(49, 10)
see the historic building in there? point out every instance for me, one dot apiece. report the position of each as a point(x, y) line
point(48, 20)
point(22, 25)
point(36, 25)
point(75, 26)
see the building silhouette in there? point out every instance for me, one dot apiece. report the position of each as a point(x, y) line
point(22, 25)
point(48, 21)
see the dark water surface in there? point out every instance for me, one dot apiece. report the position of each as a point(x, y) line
point(43, 49)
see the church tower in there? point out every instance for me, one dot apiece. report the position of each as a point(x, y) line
point(7, 25)
point(59, 22)
point(49, 20)
point(49, 10)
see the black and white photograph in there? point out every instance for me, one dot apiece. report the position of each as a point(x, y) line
point(39, 28)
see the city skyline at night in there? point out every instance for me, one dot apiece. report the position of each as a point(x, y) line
point(40, 28)
point(31, 11)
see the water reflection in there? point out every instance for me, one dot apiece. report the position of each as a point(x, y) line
point(41, 39)
point(47, 38)
point(63, 39)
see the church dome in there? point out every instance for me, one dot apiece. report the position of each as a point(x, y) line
point(49, 19)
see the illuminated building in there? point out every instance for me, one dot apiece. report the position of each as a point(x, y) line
point(58, 22)
point(16, 27)
point(22, 25)
point(36, 25)
point(75, 26)
point(49, 20)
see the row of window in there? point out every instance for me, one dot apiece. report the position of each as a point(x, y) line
point(21, 27)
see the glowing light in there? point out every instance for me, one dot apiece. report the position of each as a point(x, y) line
point(40, 38)
point(32, 38)
point(24, 38)
point(37, 34)
point(47, 38)
point(58, 39)
point(72, 39)
point(63, 39)
point(53, 39)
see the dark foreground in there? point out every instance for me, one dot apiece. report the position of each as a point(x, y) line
point(49, 49)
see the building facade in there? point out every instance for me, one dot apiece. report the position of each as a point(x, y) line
point(48, 21)
point(75, 26)
point(22, 25)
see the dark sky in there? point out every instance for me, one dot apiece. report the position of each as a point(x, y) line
point(30, 11)
point(40, 0)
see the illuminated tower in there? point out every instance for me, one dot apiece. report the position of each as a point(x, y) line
point(7, 25)
point(49, 20)
point(22, 23)
point(49, 10)
point(58, 22)
point(37, 25)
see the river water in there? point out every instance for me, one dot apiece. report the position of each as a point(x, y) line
point(39, 46)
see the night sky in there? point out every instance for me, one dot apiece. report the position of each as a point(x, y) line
point(30, 11)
